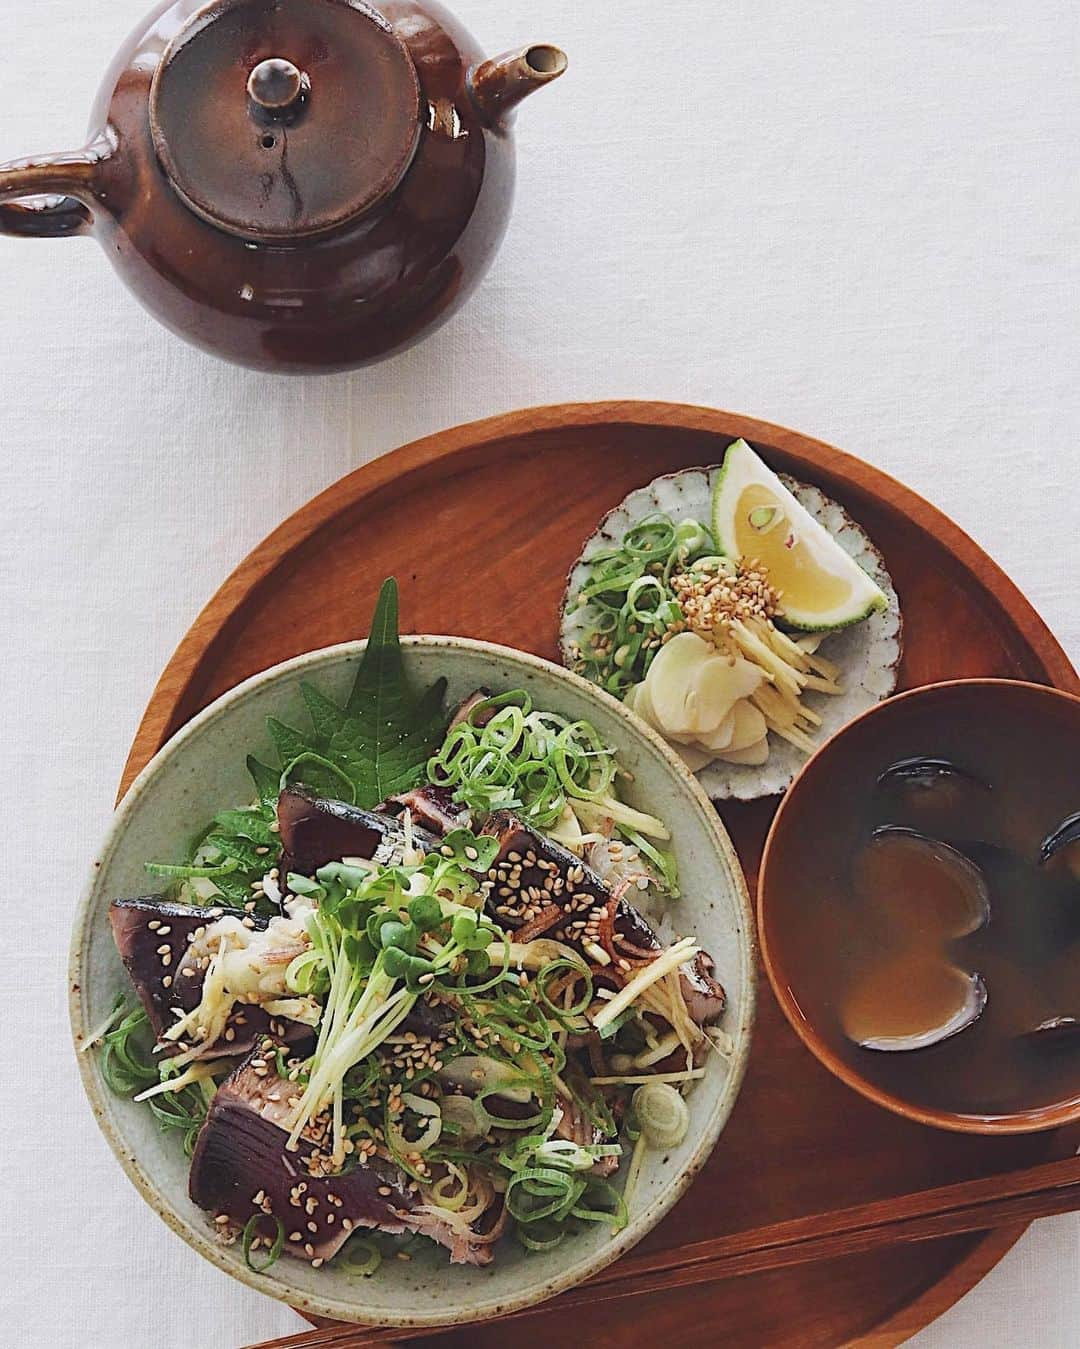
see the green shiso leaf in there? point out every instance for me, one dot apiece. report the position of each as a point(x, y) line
point(246, 824)
point(324, 713)
point(288, 741)
point(267, 781)
point(383, 737)
point(376, 746)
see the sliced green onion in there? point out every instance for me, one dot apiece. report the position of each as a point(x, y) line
point(185, 873)
point(663, 861)
point(429, 1136)
point(125, 1067)
point(303, 971)
point(626, 604)
point(692, 537)
point(662, 1113)
point(573, 1156)
point(600, 1190)
point(612, 1028)
point(576, 1009)
point(530, 761)
point(451, 1199)
point(494, 1121)
point(652, 538)
point(540, 1236)
point(359, 1258)
point(251, 1232)
point(540, 1192)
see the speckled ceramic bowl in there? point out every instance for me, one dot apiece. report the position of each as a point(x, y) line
point(201, 770)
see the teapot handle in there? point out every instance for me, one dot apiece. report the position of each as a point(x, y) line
point(63, 188)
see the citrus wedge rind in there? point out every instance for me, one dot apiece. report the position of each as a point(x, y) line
point(821, 586)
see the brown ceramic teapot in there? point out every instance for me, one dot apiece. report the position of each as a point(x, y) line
point(297, 185)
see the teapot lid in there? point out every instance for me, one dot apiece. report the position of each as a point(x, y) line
point(282, 118)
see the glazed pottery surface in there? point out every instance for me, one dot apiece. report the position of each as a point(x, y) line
point(295, 185)
point(201, 770)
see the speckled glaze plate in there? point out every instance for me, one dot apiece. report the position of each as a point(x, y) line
point(201, 770)
point(867, 653)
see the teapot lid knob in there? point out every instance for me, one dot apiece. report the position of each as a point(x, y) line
point(276, 85)
point(261, 149)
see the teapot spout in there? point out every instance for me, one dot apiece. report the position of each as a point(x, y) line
point(500, 84)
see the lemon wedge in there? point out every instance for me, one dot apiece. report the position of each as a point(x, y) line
point(821, 587)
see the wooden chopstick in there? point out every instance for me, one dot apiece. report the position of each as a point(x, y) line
point(927, 1215)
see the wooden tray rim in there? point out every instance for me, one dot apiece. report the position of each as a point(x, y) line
point(471, 442)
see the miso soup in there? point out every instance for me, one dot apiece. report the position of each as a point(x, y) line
point(925, 904)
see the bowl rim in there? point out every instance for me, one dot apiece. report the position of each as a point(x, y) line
point(484, 1306)
point(1016, 1122)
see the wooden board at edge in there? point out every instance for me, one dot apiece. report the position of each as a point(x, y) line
point(658, 437)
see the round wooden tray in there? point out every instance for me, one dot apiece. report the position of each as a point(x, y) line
point(480, 525)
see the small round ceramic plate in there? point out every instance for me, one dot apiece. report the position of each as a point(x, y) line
point(201, 770)
point(868, 653)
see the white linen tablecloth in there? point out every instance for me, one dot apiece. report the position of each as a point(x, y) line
point(857, 217)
